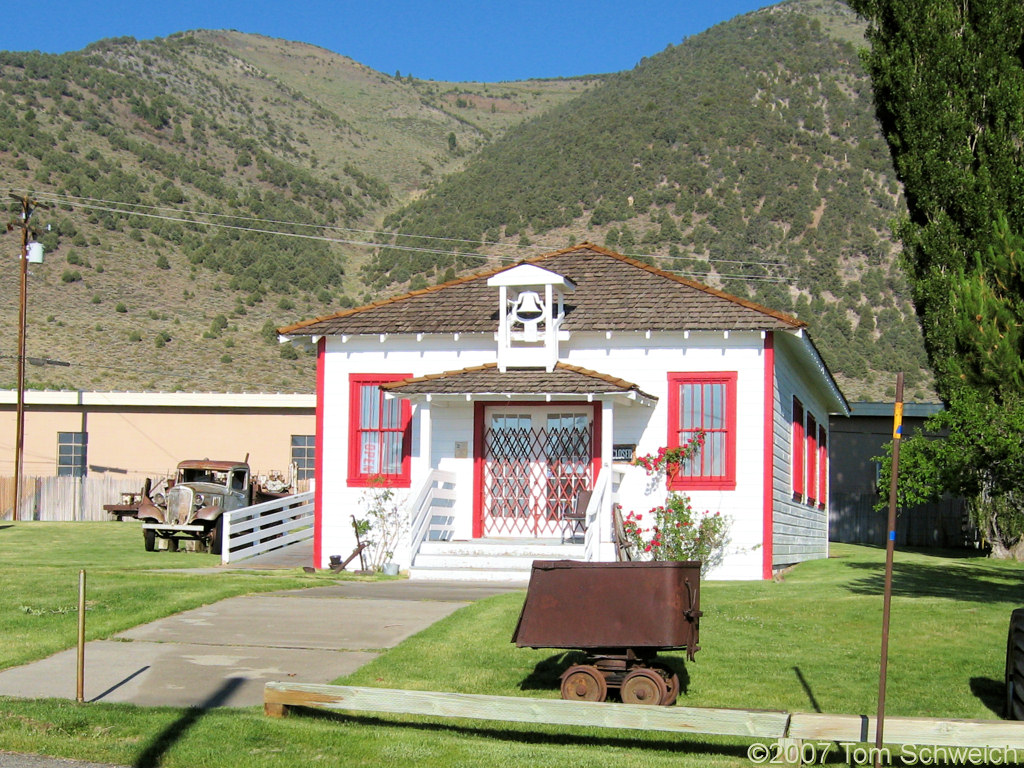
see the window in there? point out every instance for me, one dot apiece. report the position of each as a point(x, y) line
point(380, 436)
point(71, 454)
point(303, 455)
point(704, 402)
point(797, 450)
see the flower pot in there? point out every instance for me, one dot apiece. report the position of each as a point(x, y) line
point(389, 569)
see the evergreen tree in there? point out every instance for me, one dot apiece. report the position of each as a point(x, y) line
point(948, 78)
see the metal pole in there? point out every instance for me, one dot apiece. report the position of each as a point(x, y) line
point(80, 689)
point(890, 545)
point(19, 444)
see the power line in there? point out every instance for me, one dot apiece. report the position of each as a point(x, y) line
point(379, 235)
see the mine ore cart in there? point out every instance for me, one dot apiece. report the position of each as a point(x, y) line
point(620, 615)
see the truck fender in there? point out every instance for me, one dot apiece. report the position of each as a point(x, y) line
point(209, 513)
point(150, 511)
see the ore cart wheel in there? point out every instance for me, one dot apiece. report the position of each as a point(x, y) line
point(583, 682)
point(643, 686)
point(217, 536)
point(149, 539)
point(1015, 666)
point(672, 681)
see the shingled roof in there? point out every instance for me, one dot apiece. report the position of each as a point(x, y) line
point(488, 380)
point(613, 293)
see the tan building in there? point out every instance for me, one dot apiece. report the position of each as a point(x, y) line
point(130, 435)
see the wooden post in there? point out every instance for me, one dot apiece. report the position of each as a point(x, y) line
point(890, 545)
point(80, 689)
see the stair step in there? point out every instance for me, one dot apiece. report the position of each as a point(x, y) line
point(506, 560)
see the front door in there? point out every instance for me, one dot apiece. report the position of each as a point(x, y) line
point(536, 459)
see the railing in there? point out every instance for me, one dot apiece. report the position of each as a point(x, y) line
point(273, 524)
point(592, 537)
point(430, 513)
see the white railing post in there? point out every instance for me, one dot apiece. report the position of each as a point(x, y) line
point(225, 545)
point(594, 528)
point(421, 510)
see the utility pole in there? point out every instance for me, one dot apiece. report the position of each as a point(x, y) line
point(28, 205)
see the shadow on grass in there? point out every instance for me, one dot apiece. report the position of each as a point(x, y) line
point(547, 674)
point(651, 741)
point(175, 731)
point(991, 693)
point(807, 689)
point(980, 581)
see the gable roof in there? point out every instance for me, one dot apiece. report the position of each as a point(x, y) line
point(487, 379)
point(613, 293)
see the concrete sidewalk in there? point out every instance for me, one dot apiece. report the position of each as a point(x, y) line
point(222, 654)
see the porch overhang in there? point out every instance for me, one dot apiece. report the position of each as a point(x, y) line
point(486, 382)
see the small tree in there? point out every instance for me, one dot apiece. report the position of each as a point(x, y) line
point(384, 523)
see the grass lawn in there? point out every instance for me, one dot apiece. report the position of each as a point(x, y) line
point(809, 642)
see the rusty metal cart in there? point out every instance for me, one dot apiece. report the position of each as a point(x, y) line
point(621, 615)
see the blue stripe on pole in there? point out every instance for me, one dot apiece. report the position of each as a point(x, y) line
point(892, 535)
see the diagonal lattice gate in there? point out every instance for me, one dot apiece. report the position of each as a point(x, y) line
point(532, 476)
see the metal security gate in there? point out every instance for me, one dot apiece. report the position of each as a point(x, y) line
point(536, 461)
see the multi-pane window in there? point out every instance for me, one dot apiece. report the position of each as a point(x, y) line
point(810, 457)
point(71, 454)
point(704, 403)
point(822, 466)
point(380, 435)
point(304, 455)
point(797, 450)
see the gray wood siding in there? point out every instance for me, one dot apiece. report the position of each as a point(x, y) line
point(799, 530)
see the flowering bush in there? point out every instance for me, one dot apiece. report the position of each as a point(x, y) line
point(675, 532)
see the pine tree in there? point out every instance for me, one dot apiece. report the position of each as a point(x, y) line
point(948, 78)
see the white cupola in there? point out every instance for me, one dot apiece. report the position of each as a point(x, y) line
point(531, 307)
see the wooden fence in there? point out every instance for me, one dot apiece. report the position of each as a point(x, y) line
point(66, 498)
point(853, 520)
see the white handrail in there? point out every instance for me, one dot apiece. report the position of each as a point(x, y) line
point(591, 537)
point(422, 507)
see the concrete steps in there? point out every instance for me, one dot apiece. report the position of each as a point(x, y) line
point(499, 560)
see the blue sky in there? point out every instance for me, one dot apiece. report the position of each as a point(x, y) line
point(457, 40)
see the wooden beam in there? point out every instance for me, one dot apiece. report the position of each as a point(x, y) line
point(729, 722)
point(908, 730)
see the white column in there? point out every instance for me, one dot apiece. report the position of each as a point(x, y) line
point(606, 547)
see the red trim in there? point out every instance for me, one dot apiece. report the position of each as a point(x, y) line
point(318, 458)
point(478, 470)
point(812, 459)
point(797, 450)
point(822, 467)
point(727, 481)
point(478, 447)
point(768, 483)
point(357, 478)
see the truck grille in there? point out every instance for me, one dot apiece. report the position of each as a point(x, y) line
point(179, 505)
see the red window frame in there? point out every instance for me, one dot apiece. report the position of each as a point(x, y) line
point(719, 428)
point(797, 449)
point(357, 474)
point(822, 466)
point(812, 459)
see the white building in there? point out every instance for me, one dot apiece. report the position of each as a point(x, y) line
point(523, 386)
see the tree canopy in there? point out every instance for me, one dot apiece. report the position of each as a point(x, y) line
point(948, 79)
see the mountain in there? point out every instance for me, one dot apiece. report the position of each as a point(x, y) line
point(746, 156)
point(171, 166)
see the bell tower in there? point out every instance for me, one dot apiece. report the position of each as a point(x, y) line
point(531, 308)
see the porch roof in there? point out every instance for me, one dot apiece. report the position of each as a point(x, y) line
point(565, 381)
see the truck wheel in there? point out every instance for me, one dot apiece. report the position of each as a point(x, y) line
point(149, 539)
point(1015, 666)
point(217, 536)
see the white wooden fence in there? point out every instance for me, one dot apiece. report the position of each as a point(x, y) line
point(430, 513)
point(264, 527)
point(58, 499)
